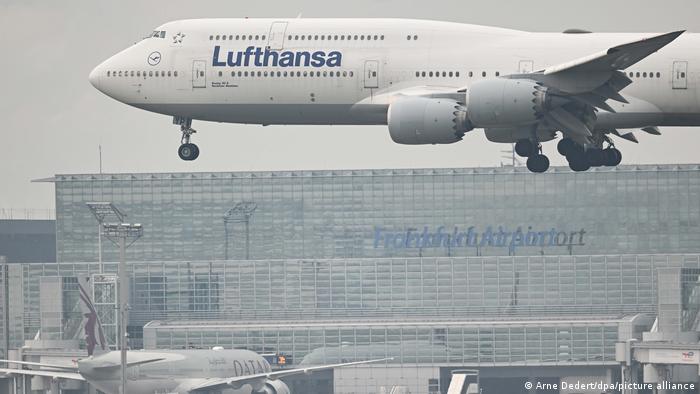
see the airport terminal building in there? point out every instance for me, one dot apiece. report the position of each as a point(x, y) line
point(525, 277)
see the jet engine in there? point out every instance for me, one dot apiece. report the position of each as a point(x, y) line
point(273, 387)
point(509, 102)
point(420, 120)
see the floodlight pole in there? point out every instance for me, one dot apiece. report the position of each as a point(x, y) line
point(118, 233)
point(123, 301)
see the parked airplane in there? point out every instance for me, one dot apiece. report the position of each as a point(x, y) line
point(430, 82)
point(169, 371)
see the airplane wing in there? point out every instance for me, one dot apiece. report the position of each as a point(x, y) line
point(218, 384)
point(44, 365)
point(587, 83)
point(49, 374)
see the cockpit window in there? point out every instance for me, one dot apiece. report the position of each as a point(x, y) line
point(158, 34)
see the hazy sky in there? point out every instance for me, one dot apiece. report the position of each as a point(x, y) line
point(54, 120)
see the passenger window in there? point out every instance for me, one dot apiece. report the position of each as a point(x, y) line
point(362, 38)
point(658, 75)
point(223, 37)
point(211, 38)
point(345, 73)
point(637, 74)
point(306, 73)
point(289, 37)
point(375, 38)
point(296, 37)
point(238, 37)
point(332, 73)
point(417, 74)
point(683, 75)
point(644, 75)
point(450, 74)
point(444, 74)
point(316, 37)
point(260, 73)
point(221, 73)
point(265, 73)
point(423, 73)
point(342, 38)
point(382, 37)
point(309, 37)
point(323, 37)
point(285, 74)
point(230, 37)
point(218, 37)
point(138, 73)
point(631, 75)
point(483, 73)
point(150, 73)
point(498, 73)
point(457, 74)
point(257, 37)
point(201, 73)
point(262, 38)
point(279, 74)
point(298, 73)
point(408, 38)
point(131, 74)
point(245, 74)
point(302, 37)
point(355, 38)
point(335, 37)
point(325, 73)
point(120, 73)
point(174, 73)
point(108, 73)
point(233, 73)
point(415, 38)
point(240, 74)
point(162, 34)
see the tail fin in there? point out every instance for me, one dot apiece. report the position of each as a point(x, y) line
point(94, 335)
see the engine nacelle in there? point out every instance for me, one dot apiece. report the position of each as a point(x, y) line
point(273, 387)
point(506, 102)
point(419, 120)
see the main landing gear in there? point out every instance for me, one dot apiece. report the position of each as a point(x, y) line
point(187, 150)
point(582, 158)
point(536, 161)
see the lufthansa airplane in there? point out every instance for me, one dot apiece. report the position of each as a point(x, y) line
point(429, 82)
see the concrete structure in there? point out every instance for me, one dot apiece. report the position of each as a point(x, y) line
point(523, 277)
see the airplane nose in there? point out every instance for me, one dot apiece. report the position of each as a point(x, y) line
point(95, 78)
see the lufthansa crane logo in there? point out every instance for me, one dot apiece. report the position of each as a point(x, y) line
point(154, 58)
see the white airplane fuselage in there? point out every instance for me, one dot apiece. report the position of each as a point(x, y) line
point(175, 372)
point(218, 69)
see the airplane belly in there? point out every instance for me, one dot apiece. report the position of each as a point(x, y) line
point(269, 114)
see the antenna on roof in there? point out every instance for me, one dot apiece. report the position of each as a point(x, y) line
point(299, 16)
point(99, 147)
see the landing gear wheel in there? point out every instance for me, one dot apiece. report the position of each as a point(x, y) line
point(565, 146)
point(579, 164)
point(538, 163)
point(188, 152)
point(612, 157)
point(595, 157)
point(524, 148)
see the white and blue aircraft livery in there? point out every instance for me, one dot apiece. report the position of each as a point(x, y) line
point(430, 82)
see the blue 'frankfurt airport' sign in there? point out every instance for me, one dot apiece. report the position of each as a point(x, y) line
point(499, 237)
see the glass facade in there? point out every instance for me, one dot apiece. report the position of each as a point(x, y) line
point(429, 343)
point(387, 213)
point(446, 288)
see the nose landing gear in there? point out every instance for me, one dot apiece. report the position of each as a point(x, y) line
point(187, 150)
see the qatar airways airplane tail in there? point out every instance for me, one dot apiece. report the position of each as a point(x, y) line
point(430, 82)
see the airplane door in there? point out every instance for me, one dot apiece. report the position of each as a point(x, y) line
point(275, 40)
point(199, 74)
point(680, 75)
point(371, 74)
point(526, 66)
